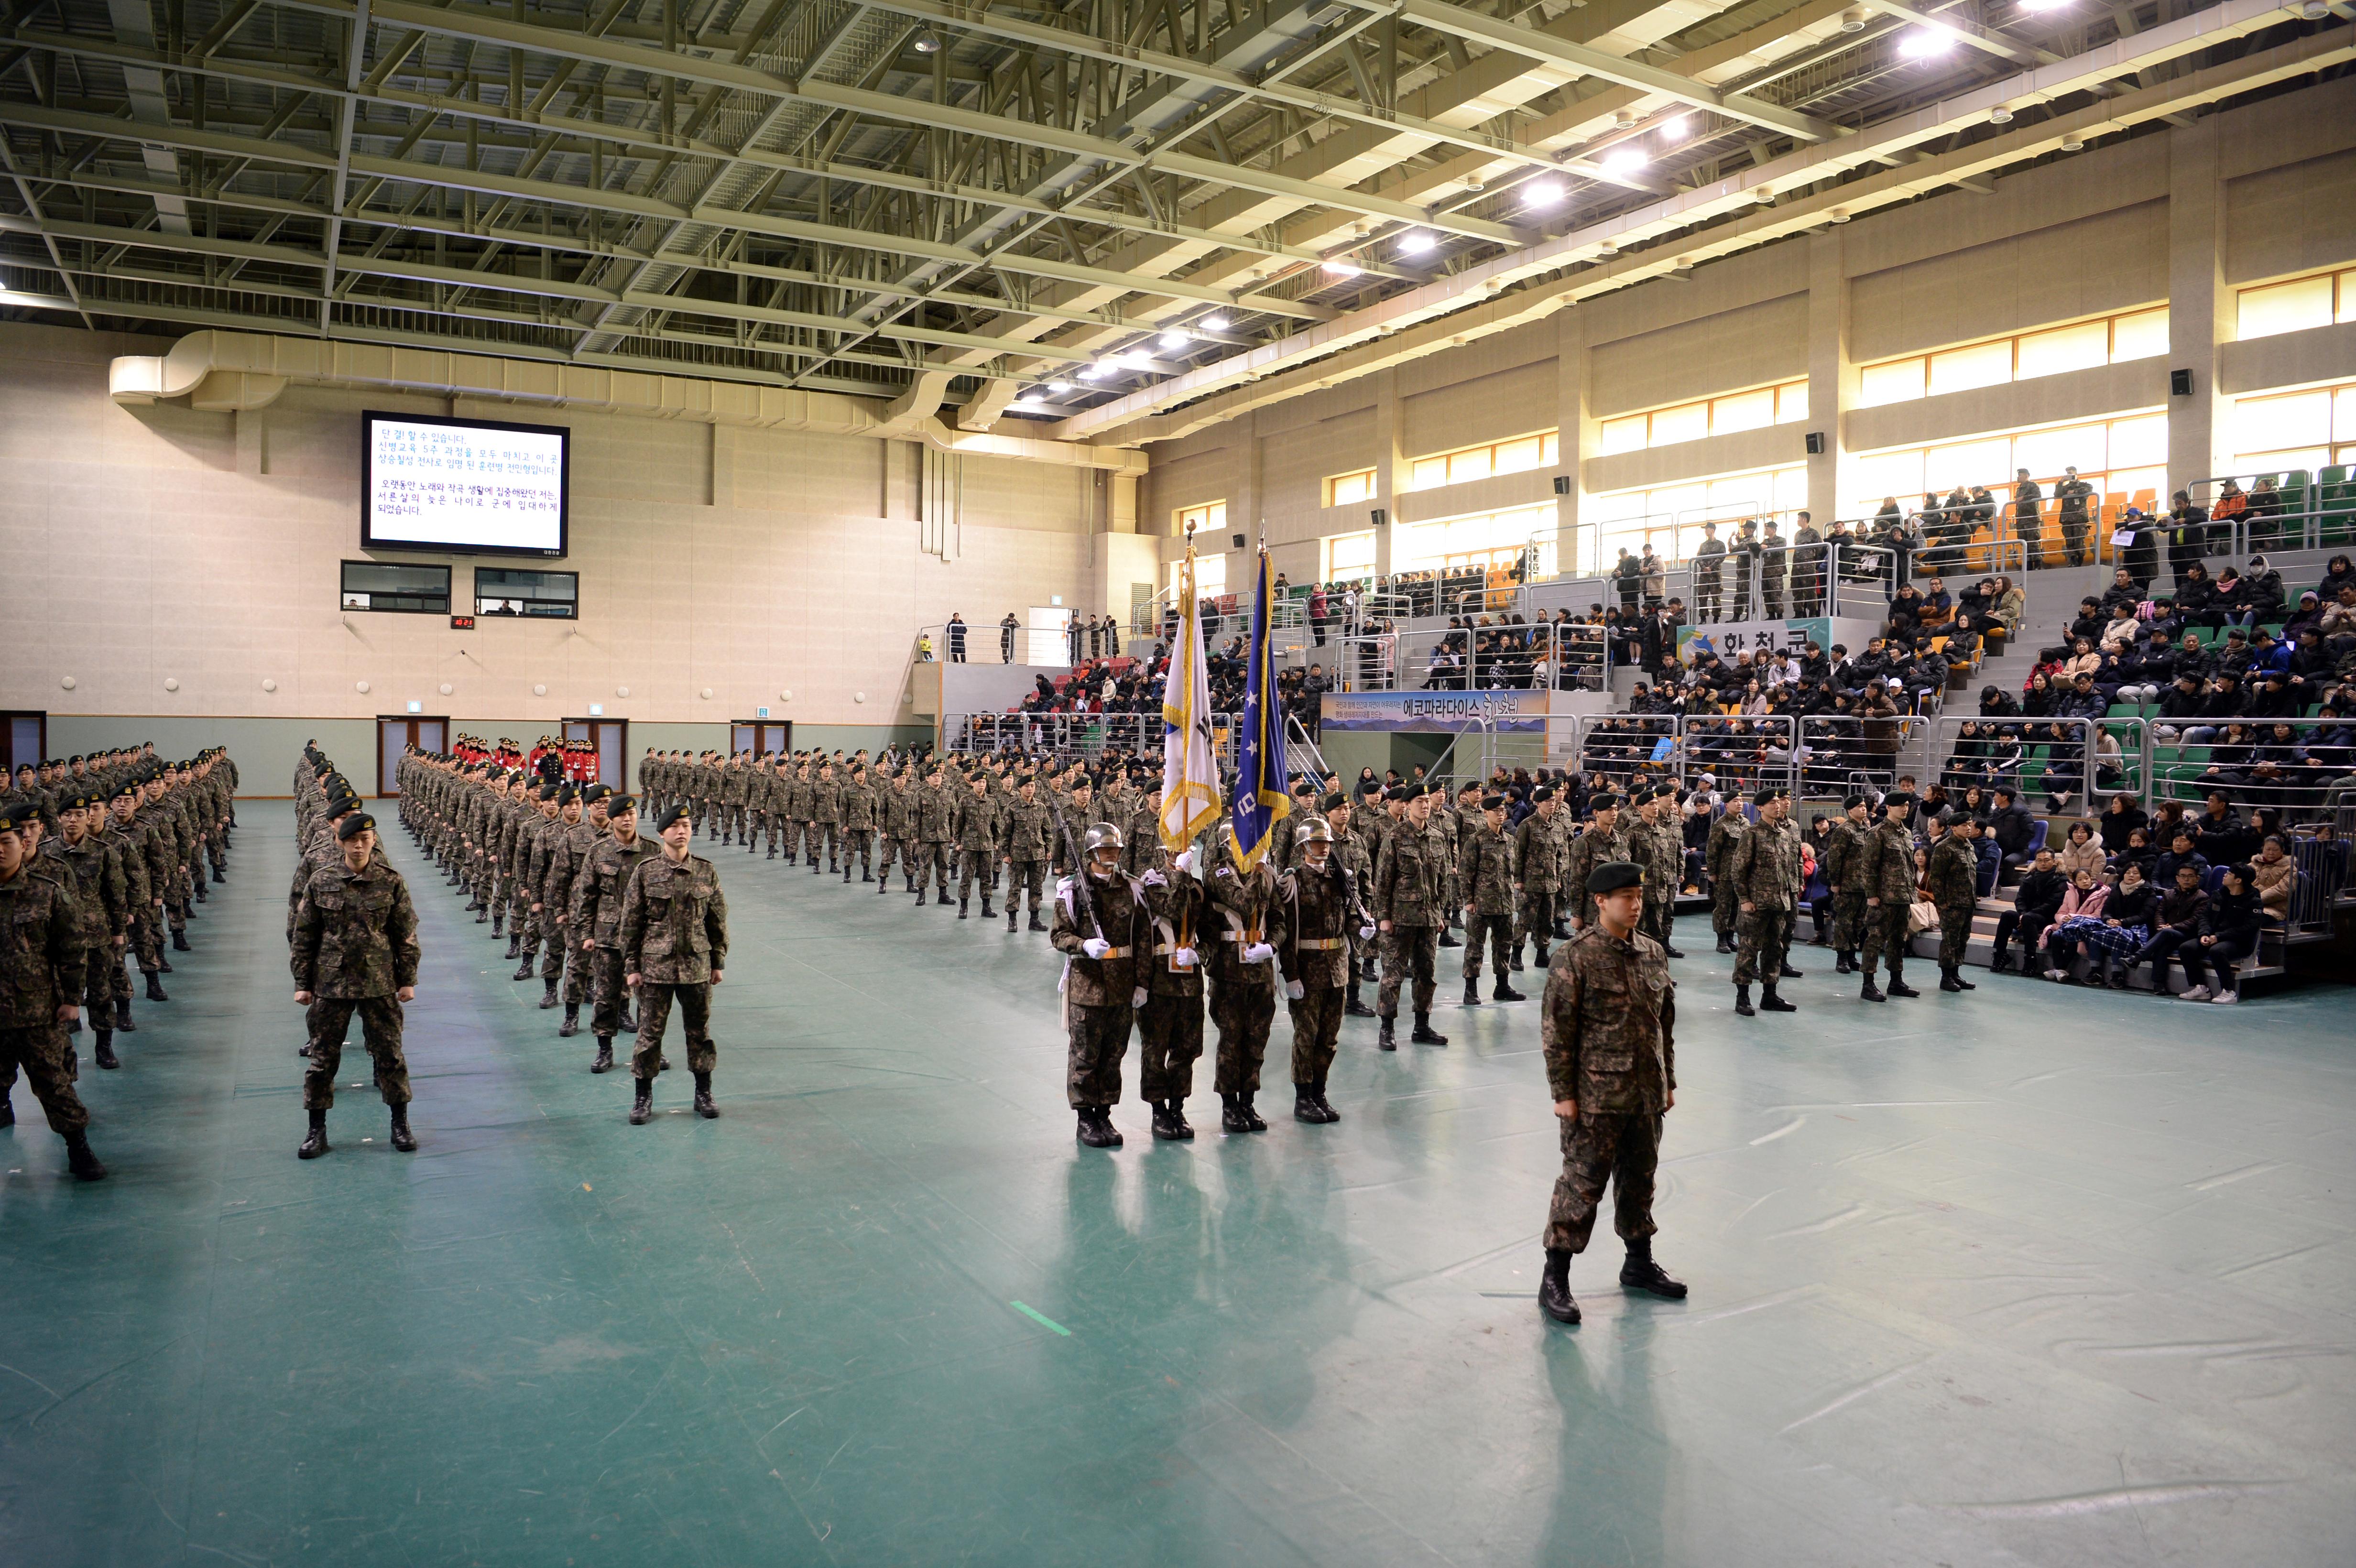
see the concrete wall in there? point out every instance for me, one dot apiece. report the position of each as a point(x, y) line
point(720, 569)
point(2180, 216)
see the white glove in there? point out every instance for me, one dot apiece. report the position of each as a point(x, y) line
point(1183, 958)
point(1185, 862)
point(1095, 947)
point(1153, 879)
point(1295, 989)
point(1366, 933)
point(1137, 997)
point(1258, 952)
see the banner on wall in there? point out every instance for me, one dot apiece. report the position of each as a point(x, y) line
point(1435, 712)
point(1730, 640)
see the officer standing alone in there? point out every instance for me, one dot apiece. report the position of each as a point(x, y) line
point(356, 951)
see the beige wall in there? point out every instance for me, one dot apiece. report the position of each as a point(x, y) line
point(162, 542)
point(2075, 237)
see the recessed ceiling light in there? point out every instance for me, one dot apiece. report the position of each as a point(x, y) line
point(1342, 269)
point(1059, 388)
point(1173, 338)
point(2072, 142)
point(1854, 19)
point(1674, 129)
point(1624, 160)
point(1089, 373)
point(1923, 43)
point(1416, 241)
point(1543, 193)
point(1214, 323)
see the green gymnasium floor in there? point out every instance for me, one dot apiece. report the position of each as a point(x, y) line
point(2028, 1276)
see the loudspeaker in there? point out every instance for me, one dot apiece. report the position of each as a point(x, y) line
point(1816, 443)
point(1382, 518)
point(1238, 539)
point(1562, 484)
point(2179, 383)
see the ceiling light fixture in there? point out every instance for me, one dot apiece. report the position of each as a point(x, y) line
point(1342, 269)
point(1029, 405)
point(1674, 129)
point(1854, 19)
point(2000, 115)
point(1543, 193)
point(2072, 142)
point(1173, 338)
point(927, 41)
point(1214, 323)
point(1090, 372)
point(2043, 5)
point(1922, 44)
point(1416, 241)
point(1624, 160)
point(1059, 388)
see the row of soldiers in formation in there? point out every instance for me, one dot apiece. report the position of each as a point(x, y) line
point(103, 860)
point(627, 922)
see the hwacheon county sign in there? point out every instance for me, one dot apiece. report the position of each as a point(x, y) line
point(1434, 712)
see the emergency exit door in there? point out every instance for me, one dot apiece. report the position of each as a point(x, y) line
point(395, 733)
point(610, 736)
point(761, 735)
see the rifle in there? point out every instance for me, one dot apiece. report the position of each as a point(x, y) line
point(1081, 896)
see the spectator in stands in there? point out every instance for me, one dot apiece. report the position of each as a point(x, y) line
point(2338, 573)
point(2121, 817)
point(2036, 905)
point(2012, 828)
point(2228, 932)
point(2175, 923)
point(2275, 874)
point(2188, 537)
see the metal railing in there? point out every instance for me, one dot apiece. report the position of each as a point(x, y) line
point(2279, 509)
point(1542, 655)
point(2082, 760)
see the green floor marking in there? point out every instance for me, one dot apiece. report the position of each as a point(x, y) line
point(1038, 1317)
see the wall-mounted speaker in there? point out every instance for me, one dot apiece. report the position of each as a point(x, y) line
point(1816, 443)
point(2179, 383)
point(1382, 518)
point(1238, 539)
point(1562, 484)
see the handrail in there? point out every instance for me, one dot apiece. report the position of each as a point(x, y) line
point(1559, 655)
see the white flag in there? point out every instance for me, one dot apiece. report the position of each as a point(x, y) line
point(1190, 769)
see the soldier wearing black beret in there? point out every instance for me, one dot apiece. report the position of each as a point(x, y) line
point(1608, 1034)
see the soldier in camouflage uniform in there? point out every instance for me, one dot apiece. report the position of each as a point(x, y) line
point(1485, 878)
point(977, 841)
point(1537, 870)
point(1842, 848)
point(561, 892)
point(935, 831)
point(1170, 1023)
point(674, 944)
point(1763, 870)
point(1602, 844)
point(826, 816)
point(1356, 865)
point(1101, 924)
point(1953, 875)
point(858, 805)
point(898, 835)
point(1243, 982)
point(136, 900)
point(1725, 909)
point(356, 951)
point(1318, 913)
point(1609, 1032)
point(1884, 870)
point(104, 901)
point(43, 953)
point(594, 923)
point(1411, 881)
point(1023, 841)
point(1656, 841)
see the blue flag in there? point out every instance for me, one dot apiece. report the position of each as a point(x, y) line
point(1259, 802)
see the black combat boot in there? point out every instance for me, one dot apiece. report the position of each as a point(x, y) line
point(1035, 922)
point(1769, 1002)
point(401, 1138)
point(1641, 1272)
point(1424, 1033)
point(773, 852)
point(571, 1024)
point(156, 988)
point(1742, 1007)
point(1554, 1288)
point(1231, 1115)
point(1787, 973)
point(122, 1018)
point(1669, 952)
point(548, 998)
point(1448, 938)
point(498, 926)
point(1726, 942)
point(515, 943)
point(963, 905)
point(846, 872)
point(1095, 1129)
point(1318, 1089)
point(1252, 1122)
point(1168, 1125)
point(484, 917)
point(1949, 980)
point(80, 1160)
point(642, 1108)
point(1305, 1107)
point(1352, 1005)
point(1966, 985)
point(216, 873)
point(920, 898)
point(1472, 990)
point(104, 1051)
point(1514, 962)
point(1844, 962)
point(523, 970)
point(813, 865)
point(162, 965)
point(7, 1110)
point(629, 1021)
point(870, 876)
point(883, 885)
point(1542, 956)
point(1388, 1039)
point(1898, 986)
point(1869, 992)
point(703, 1106)
point(1010, 917)
point(179, 942)
point(604, 1062)
point(985, 912)
point(1506, 993)
point(912, 887)
point(315, 1143)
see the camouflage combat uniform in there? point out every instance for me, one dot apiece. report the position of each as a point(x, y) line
point(1098, 992)
point(1763, 870)
point(355, 947)
point(1243, 994)
point(1953, 875)
point(1608, 1036)
point(674, 934)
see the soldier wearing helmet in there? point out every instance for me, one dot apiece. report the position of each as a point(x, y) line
point(1100, 922)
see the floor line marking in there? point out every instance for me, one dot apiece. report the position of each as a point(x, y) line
point(1860, 1391)
point(1040, 1318)
point(2227, 1178)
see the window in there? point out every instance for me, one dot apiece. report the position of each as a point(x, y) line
point(2125, 460)
point(1210, 573)
point(1350, 489)
point(1350, 555)
point(1486, 541)
point(1515, 457)
point(406, 590)
point(1670, 518)
point(1753, 409)
point(2110, 340)
point(2298, 304)
point(1209, 519)
point(551, 595)
point(2296, 429)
